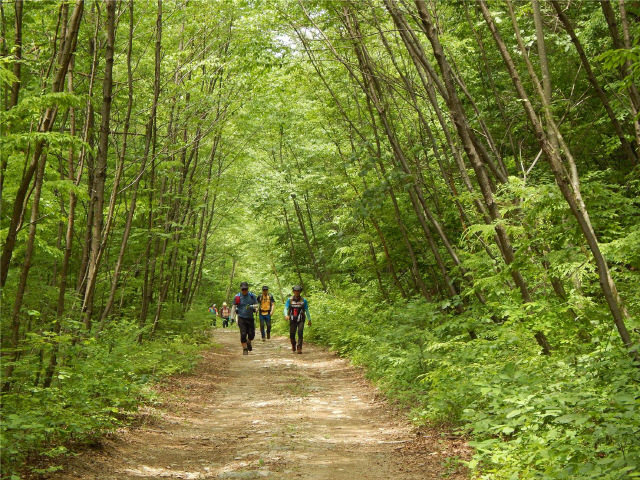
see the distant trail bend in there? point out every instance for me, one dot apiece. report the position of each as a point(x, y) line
point(272, 414)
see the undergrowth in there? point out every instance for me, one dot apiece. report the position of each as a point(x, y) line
point(573, 415)
point(97, 388)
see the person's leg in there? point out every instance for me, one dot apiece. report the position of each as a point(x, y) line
point(292, 334)
point(251, 331)
point(243, 333)
point(262, 320)
point(300, 334)
point(267, 320)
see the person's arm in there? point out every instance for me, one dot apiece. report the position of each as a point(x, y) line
point(306, 310)
point(236, 304)
point(286, 308)
point(273, 304)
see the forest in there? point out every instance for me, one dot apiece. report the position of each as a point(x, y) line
point(455, 184)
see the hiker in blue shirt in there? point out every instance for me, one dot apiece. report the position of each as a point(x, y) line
point(296, 311)
point(245, 304)
point(213, 312)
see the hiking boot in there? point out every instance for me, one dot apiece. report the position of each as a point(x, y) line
point(264, 339)
point(245, 351)
point(249, 347)
point(268, 336)
point(293, 347)
point(300, 350)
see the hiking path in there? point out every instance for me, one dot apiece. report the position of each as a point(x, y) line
point(272, 414)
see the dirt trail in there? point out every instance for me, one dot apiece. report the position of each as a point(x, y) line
point(272, 414)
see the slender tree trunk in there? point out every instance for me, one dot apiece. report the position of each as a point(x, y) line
point(3, 52)
point(148, 138)
point(17, 66)
point(275, 274)
point(374, 263)
point(294, 256)
point(68, 248)
point(626, 147)
point(461, 124)
point(388, 257)
point(45, 125)
point(303, 229)
point(231, 277)
point(567, 181)
point(610, 17)
point(24, 274)
point(97, 198)
point(633, 88)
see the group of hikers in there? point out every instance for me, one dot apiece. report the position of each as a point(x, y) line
point(246, 304)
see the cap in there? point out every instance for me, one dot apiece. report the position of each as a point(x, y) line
point(224, 304)
point(265, 287)
point(244, 285)
point(297, 288)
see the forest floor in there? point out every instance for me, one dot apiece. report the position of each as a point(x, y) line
point(271, 414)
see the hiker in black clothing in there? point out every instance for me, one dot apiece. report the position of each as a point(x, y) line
point(267, 304)
point(245, 304)
point(296, 310)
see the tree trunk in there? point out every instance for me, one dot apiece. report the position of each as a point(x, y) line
point(148, 137)
point(303, 229)
point(24, 274)
point(460, 121)
point(231, 277)
point(567, 182)
point(97, 198)
point(68, 248)
point(632, 88)
point(17, 66)
point(294, 256)
point(45, 125)
point(626, 147)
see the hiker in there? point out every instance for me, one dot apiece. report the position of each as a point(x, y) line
point(246, 303)
point(296, 311)
point(225, 313)
point(213, 311)
point(267, 304)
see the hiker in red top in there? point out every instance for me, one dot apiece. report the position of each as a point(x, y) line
point(225, 313)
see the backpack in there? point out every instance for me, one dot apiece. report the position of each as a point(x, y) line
point(265, 303)
point(296, 310)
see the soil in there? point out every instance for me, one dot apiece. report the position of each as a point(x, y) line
point(272, 414)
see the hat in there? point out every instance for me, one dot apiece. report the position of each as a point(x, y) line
point(265, 287)
point(224, 304)
point(244, 285)
point(297, 288)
